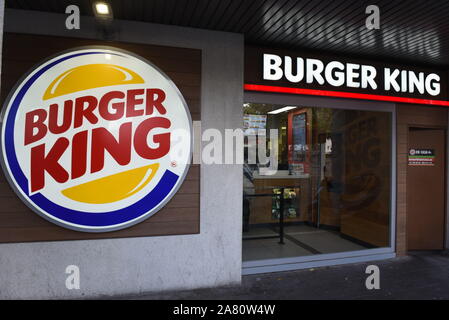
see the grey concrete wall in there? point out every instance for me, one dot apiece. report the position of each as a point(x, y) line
point(135, 265)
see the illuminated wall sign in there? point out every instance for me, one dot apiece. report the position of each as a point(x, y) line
point(90, 139)
point(351, 75)
point(306, 74)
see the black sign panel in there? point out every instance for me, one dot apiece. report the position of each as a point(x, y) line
point(304, 70)
point(421, 157)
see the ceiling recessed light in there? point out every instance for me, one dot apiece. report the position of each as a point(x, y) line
point(282, 110)
point(102, 10)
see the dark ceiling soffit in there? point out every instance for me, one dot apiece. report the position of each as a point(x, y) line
point(412, 32)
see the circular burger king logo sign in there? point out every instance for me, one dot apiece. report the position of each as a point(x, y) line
point(96, 139)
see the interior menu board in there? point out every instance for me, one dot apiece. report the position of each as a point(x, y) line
point(421, 157)
point(299, 137)
point(254, 124)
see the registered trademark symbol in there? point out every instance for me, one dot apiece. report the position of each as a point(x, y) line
point(173, 163)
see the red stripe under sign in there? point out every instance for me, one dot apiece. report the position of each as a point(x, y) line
point(338, 94)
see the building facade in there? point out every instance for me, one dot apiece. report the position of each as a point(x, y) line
point(358, 147)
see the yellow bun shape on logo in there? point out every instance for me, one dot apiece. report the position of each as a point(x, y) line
point(114, 187)
point(90, 76)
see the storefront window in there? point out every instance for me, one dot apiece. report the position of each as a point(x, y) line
point(331, 190)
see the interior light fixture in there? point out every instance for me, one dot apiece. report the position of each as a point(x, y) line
point(282, 110)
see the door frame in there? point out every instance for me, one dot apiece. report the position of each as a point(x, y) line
point(446, 176)
point(327, 259)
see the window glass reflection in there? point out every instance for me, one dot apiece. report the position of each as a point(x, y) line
point(332, 188)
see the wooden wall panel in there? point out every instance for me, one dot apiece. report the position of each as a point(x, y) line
point(180, 216)
point(409, 116)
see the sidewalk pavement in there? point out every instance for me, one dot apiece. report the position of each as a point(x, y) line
point(421, 275)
